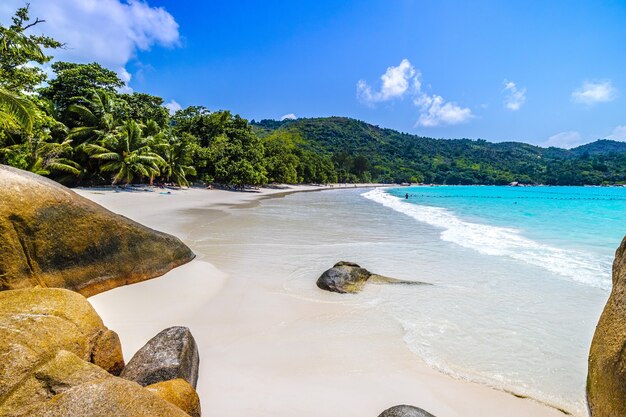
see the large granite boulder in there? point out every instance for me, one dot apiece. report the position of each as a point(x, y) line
point(49, 378)
point(35, 324)
point(348, 277)
point(606, 380)
point(107, 397)
point(405, 411)
point(171, 354)
point(180, 393)
point(52, 237)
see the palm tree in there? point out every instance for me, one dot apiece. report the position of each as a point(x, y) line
point(43, 157)
point(127, 155)
point(14, 41)
point(47, 157)
point(97, 118)
point(16, 112)
point(177, 156)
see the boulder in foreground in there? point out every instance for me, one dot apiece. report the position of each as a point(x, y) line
point(52, 237)
point(405, 411)
point(108, 397)
point(35, 324)
point(53, 376)
point(348, 277)
point(171, 354)
point(606, 380)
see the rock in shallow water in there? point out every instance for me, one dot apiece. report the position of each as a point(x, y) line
point(344, 277)
point(348, 277)
point(171, 354)
point(52, 237)
point(606, 380)
point(405, 411)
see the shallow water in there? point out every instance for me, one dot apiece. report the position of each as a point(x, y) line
point(515, 299)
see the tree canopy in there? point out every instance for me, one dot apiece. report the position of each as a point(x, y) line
point(81, 129)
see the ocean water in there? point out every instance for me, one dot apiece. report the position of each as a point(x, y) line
point(520, 274)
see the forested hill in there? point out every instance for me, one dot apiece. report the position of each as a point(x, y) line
point(367, 152)
point(600, 147)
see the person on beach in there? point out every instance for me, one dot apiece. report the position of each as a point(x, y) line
point(406, 196)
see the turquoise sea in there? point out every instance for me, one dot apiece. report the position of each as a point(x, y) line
point(571, 231)
point(520, 274)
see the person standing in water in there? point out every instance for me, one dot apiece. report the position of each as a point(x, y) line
point(406, 196)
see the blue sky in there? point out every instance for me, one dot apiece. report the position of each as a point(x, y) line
point(540, 72)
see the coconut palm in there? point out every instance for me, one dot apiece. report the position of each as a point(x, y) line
point(43, 157)
point(127, 155)
point(177, 156)
point(16, 112)
point(97, 118)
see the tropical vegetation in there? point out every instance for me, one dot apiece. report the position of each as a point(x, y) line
point(79, 128)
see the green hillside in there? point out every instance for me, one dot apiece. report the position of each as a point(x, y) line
point(600, 147)
point(361, 151)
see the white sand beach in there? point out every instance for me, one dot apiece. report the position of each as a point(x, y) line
point(266, 353)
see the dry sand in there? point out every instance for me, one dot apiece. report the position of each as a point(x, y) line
point(264, 353)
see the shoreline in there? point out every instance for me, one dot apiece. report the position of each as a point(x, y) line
point(200, 289)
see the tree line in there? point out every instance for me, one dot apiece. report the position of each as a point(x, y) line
point(78, 128)
point(363, 152)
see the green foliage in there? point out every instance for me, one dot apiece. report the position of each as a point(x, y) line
point(281, 161)
point(361, 151)
point(18, 49)
point(42, 157)
point(143, 107)
point(127, 155)
point(16, 112)
point(76, 81)
point(80, 129)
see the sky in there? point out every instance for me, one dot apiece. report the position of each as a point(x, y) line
point(551, 73)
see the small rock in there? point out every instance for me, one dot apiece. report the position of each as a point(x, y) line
point(180, 393)
point(405, 411)
point(348, 277)
point(344, 277)
point(171, 354)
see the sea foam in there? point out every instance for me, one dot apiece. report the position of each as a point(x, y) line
point(503, 241)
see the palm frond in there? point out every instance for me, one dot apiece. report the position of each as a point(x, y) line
point(19, 109)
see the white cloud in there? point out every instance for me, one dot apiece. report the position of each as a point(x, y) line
point(619, 133)
point(436, 111)
point(567, 140)
point(405, 79)
point(395, 83)
point(124, 75)
point(515, 97)
point(288, 116)
point(109, 32)
point(592, 92)
point(173, 106)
